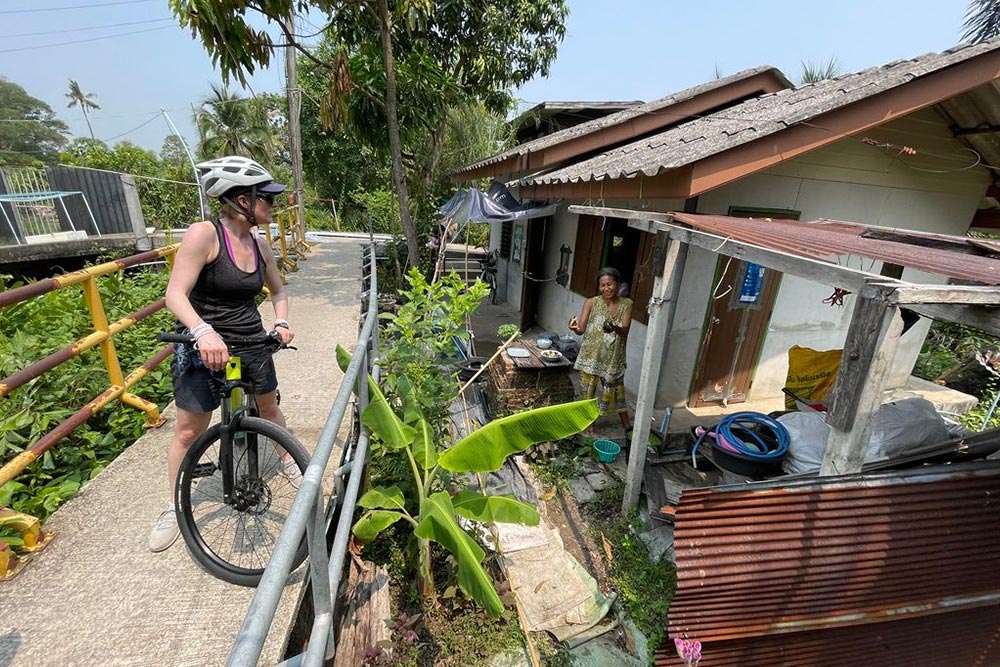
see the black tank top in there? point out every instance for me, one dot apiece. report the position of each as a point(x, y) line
point(224, 293)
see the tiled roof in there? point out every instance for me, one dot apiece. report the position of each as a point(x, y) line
point(618, 118)
point(753, 119)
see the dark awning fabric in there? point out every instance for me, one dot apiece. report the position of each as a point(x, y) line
point(498, 205)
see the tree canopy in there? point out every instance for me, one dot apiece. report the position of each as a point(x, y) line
point(389, 71)
point(30, 133)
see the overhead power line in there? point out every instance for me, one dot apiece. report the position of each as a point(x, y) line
point(62, 9)
point(82, 41)
point(92, 27)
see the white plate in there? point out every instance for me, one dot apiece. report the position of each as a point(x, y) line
point(517, 352)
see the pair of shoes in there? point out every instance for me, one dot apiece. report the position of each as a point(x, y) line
point(290, 471)
point(165, 531)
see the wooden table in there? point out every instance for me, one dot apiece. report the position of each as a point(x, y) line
point(534, 361)
point(519, 383)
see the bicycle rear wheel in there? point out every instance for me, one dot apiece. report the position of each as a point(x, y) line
point(234, 542)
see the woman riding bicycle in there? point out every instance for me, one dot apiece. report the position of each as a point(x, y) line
point(218, 271)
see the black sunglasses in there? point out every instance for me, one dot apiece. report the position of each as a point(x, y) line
point(269, 198)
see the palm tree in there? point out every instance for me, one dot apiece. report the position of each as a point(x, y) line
point(814, 72)
point(85, 100)
point(229, 124)
point(982, 20)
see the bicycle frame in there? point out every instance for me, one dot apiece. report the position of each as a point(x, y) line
point(237, 403)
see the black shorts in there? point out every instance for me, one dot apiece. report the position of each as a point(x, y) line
point(196, 388)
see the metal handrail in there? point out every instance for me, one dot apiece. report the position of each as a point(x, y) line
point(308, 514)
point(102, 336)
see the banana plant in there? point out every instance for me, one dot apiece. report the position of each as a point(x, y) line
point(401, 428)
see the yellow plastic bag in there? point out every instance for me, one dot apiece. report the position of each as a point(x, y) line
point(811, 373)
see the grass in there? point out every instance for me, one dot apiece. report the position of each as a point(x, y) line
point(644, 588)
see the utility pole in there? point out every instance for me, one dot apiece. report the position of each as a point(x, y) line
point(201, 193)
point(294, 131)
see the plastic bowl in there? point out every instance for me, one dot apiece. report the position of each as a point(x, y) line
point(543, 343)
point(607, 451)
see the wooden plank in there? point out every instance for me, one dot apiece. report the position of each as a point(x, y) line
point(363, 625)
point(864, 370)
point(802, 267)
point(978, 317)
point(668, 260)
point(953, 294)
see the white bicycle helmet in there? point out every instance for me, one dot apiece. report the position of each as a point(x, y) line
point(232, 172)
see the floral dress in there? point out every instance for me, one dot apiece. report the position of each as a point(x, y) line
point(601, 361)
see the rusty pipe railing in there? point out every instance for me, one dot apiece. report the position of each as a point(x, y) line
point(102, 336)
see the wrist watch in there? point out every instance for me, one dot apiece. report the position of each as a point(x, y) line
point(283, 324)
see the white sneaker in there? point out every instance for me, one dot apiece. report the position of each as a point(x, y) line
point(290, 471)
point(165, 531)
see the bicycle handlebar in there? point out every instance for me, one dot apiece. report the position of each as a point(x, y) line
point(269, 338)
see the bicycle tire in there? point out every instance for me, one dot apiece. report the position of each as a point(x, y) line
point(223, 538)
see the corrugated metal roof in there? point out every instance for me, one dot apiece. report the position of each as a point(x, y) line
point(619, 118)
point(827, 240)
point(875, 569)
point(753, 119)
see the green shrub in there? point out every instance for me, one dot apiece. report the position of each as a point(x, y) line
point(33, 329)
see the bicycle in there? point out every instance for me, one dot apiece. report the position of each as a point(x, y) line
point(232, 500)
point(488, 272)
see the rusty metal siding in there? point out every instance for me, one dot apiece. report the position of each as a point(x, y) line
point(905, 566)
point(826, 241)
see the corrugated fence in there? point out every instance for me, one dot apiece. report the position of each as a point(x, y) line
point(899, 568)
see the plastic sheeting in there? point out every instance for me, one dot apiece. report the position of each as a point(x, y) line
point(495, 205)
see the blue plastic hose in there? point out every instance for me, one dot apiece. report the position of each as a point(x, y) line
point(755, 448)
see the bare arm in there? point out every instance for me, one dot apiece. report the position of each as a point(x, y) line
point(198, 245)
point(279, 298)
point(626, 323)
point(581, 325)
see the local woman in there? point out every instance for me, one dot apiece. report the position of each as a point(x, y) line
point(604, 325)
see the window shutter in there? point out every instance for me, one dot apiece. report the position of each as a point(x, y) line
point(506, 232)
point(642, 278)
point(587, 255)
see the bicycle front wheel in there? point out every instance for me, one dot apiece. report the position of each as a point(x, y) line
point(234, 541)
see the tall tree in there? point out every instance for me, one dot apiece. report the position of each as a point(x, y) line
point(457, 48)
point(982, 20)
point(84, 100)
point(229, 124)
point(30, 133)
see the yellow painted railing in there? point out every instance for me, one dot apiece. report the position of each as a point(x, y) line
point(291, 238)
point(103, 336)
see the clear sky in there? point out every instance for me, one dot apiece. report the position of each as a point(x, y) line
point(614, 50)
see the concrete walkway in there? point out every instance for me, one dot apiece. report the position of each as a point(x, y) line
point(97, 596)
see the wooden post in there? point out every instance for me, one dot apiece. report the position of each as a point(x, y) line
point(864, 370)
point(668, 261)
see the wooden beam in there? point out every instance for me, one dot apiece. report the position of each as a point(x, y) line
point(949, 294)
point(864, 370)
point(978, 317)
point(669, 257)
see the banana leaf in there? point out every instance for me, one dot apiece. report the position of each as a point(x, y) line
point(374, 522)
point(379, 416)
point(424, 447)
point(494, 509)
point(411, 409)
point(381, 497)
point(485, 449)
point(438, 524)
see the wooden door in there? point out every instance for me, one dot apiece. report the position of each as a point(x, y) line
point(532, 266)
point(734, 331)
